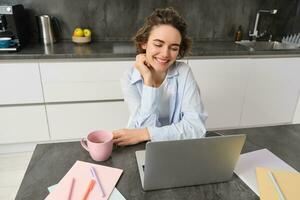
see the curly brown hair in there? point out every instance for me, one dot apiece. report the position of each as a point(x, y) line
point(167, 16)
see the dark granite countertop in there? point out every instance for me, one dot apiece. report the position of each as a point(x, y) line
point(126, 51)
point(50, 162)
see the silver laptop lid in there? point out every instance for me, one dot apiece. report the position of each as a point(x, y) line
point(179, 163)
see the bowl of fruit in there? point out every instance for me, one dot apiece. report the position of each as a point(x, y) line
point(81, 36)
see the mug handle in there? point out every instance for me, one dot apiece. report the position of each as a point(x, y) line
point(83, 144)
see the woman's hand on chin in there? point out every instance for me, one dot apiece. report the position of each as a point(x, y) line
point(124, 137)
point(144, 68)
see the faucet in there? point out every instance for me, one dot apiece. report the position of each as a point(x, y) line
point(255, 34)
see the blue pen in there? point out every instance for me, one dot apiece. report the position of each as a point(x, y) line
point(94, 175)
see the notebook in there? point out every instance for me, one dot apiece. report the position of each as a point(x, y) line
point(288, 184)
point(80, 171)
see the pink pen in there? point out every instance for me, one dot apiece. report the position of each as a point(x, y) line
point(94, 175)
point(71, 189)
point(88, 189)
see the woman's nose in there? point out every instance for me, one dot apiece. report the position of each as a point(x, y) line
point(165, 52)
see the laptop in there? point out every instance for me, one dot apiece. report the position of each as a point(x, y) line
point(178, 163)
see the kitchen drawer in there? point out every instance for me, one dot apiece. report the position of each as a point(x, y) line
point(82, 80)
point(20, 83)
point(71, 121)
point(23, 124)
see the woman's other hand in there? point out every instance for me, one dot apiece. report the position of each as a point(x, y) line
point(124, 137)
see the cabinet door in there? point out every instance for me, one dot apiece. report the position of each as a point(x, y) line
point(71, 121)
point(23, 124)
point(20, 83)
point(222, 84)
point(82, 80)
point(272, 91)
point(296, 119)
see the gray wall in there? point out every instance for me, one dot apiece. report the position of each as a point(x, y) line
point(207, 19)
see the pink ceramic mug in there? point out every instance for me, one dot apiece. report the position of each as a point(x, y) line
point(99, 144)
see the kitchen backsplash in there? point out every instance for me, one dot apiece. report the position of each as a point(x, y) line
point(207, 19)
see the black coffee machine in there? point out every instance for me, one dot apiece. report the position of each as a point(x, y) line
point(14, 23)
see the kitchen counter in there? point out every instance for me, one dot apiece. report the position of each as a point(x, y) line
point(126, 51)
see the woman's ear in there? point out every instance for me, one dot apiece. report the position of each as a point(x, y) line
point(144, 46)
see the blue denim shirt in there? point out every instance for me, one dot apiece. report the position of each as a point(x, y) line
point(186, 118)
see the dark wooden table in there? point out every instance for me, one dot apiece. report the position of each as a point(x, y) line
point(50, 162)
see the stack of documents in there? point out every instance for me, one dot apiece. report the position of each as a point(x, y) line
point(248, 162)
point(79, 183)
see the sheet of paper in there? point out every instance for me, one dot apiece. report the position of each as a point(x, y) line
point(247, 163)
point(51, 188)
point(82, 175)
point(115, 195)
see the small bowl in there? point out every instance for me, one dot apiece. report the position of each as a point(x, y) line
point(81, 40)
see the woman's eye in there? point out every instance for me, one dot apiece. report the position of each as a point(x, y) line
point(158, 45)
point(175, 49)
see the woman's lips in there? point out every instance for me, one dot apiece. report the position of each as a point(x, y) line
point(161, 61)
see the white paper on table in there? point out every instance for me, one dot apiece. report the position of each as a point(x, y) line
point(247, 163)
point(115, 194)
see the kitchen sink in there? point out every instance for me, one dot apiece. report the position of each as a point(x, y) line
point(265, 45)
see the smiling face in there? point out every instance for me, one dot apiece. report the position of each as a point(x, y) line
point(162, 47)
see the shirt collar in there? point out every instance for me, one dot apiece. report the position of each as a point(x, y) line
point(136, 76)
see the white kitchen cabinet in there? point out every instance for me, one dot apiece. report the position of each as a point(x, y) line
point(272, 91)
point(83, 96)
point(68, 81)
point(20, 83)
point(71, 121)
point(23, 124)
point(222, 84)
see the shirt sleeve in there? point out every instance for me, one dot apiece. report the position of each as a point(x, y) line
point(143, 107)
point(192, 116)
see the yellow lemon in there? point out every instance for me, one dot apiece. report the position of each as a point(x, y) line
point(87, 32)
point(78, 32)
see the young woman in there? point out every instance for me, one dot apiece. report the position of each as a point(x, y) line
point(162, 95)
